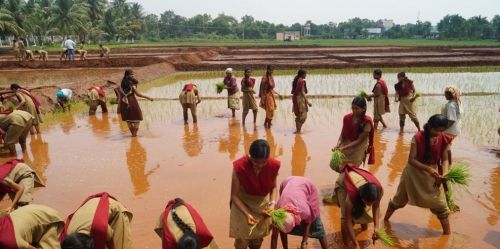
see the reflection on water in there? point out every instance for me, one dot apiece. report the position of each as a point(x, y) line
point(100, 125)
point(299, 156)
point(136, 162)
point(380, 145)
point(192, 142)
point(276, 149)
point(248, 138)
point(399, 158)
point(67, 123)
point(231, 143)
point(39, 159)
point(350, 84)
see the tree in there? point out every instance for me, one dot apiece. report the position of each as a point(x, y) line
point(69, 16)
point(495, 23)
point(172, 25)
point(478, 27)
point(224, 24)
point(452, 26)
point(7, 23)
point(96, 9)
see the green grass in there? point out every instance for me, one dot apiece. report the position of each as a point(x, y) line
point(301, 43)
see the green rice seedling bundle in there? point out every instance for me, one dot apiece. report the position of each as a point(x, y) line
point(363, 94)
point(337, 159)
point(113, 101)
point(449, 200)
point(458, 175)
point(386, 239)
point(3, 213)
point(219, 87)
point(418, 95)
point(278, 216)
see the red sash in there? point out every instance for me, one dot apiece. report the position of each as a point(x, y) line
point(188, 87)
point(404, 91)
point(350, 187)
point(351, 132)
point(250, 80)
point(439, 146)
point(99, 228)
point(260, 185)
point(5, 169)
point(35, 100)
point(202, 232)
point(99, 90)
point(8, 235)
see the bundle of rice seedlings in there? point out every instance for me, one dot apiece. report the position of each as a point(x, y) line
point(10, 106)
point(458, 175)
point(418, 95)
point(449, 200)
point(337, 159)
point(252, 228)
point(386, 239)
point(278, 216)
point(220, 87)
point(363, 94)
point(113, 101)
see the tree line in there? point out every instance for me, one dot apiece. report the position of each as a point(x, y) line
point(98, 20)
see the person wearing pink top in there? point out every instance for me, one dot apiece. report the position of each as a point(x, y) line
point(300, 198)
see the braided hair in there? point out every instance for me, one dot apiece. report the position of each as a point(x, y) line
point(189, 240)
point(361, 103)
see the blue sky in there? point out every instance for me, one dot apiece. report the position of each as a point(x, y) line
point(324, 11)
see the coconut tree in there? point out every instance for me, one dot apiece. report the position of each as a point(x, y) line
point(96, 9)
point(69, 16)
point(8, 24)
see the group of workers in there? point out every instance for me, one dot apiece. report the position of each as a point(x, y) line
point(68, 52)
point(102, 222)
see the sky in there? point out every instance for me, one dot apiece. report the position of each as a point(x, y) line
point(324, 11)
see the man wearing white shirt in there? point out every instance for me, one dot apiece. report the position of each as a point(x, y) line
point(70, 46)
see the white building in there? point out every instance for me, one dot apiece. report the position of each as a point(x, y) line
point(374, 32)
point(288, 36)
point(387, 24)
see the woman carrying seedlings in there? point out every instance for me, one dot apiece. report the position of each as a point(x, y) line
point(18, 180)
point(358, 194)
point(14, 128)
point(97, 97)
point(100, 220)
point(181, 226)
point(300, 198)
point(28, 103)
point(300, 103)
point(233, 93)
point(405, 94)
point(189, 98)
point(31, 226)
point(356, 138)
point(266, 94)
point(128, 104)
point(421, 179)
point(452, 110)
point(380, 98)
point(253, 195)
point(249, 103)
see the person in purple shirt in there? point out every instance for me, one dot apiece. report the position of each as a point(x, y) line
point(300, 198)
point(233, 92)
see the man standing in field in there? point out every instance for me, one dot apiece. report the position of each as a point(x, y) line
point(70, 48)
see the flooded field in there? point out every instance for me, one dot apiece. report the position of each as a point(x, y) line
point(81, 155)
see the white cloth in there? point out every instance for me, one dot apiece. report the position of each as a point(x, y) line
point(229, 70)
point(69, 44)
point(452, 111)
point(67, 93)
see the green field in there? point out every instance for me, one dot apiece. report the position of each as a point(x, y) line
point(271, 43)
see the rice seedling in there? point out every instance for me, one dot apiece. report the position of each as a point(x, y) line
point(449, 200)
point(386, 239)
point(363, 94)
point(278, 216)
point(337, 159)
point(458, 175)
point(418, 95)
point(113, 101)
point(219, 87)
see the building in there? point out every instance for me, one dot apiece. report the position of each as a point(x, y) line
point(306, 30)
point(374, 32)
point(288, 36)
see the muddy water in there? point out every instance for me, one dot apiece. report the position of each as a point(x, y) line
point(83, 155)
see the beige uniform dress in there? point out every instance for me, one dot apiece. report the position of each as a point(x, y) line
point(185, 216)
point(341, 194)
point(416, 187)
point(378, 104)
point(248, 100)
point(44, 55)
point(29, 106)
point(38, 226)
point(96, 100)
point(188, 100)
point(118, 224)
point(24, 175)
point(406, 107)
point(16, 125)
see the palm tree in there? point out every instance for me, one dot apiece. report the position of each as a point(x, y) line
point(69, 16)
point(8, 24)
point(96, 9)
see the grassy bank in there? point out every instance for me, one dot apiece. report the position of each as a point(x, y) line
point(271, 43)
